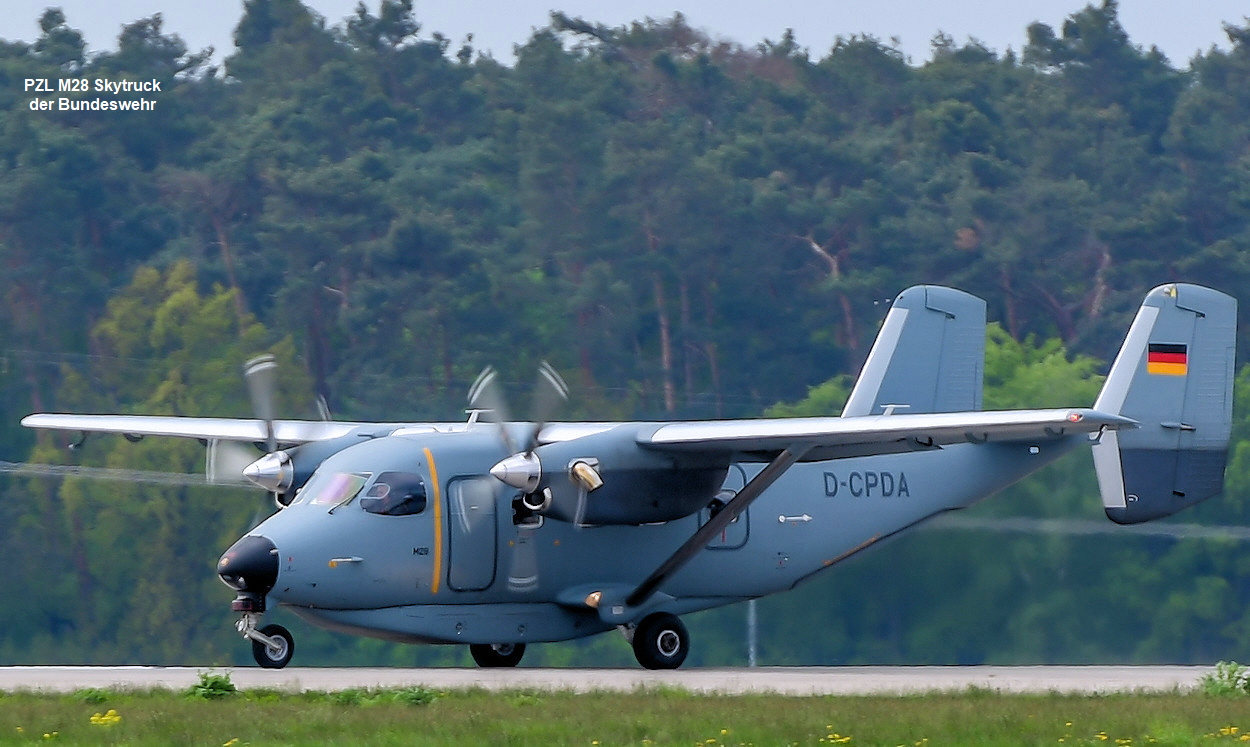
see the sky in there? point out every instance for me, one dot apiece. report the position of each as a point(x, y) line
point(1180, 28)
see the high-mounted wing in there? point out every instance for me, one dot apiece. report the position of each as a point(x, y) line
point(636, 473)
point(221, 429)
point(223, 465)
point(837, 438)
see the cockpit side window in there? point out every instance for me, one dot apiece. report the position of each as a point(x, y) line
point(395, 494)
point(332, 489)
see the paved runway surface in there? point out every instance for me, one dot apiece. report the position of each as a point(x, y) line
point(783, 680)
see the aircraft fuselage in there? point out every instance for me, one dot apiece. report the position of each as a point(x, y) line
point(461, 570)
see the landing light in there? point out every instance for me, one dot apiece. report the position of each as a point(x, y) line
point(1075, 417)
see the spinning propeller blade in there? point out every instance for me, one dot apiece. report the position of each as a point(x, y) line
point(224, 462)
point(261, 373)
point(486, 396)
point(550, 392)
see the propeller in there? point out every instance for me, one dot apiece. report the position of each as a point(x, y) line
point(227, 460)
point(487, 396)
point(549, 393)
point(224, 462)
point(522, 469)
point(261, 373)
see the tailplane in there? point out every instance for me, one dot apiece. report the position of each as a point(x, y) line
point(928, 357)
point(1174, 376)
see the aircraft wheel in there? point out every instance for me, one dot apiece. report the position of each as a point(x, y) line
point(275, 657)
point(661, 641)
point(488, 655)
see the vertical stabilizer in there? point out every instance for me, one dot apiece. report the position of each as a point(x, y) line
point(928, 357)
point(1174, 375)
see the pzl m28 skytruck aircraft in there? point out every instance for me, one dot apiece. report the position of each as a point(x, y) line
point(497, 534)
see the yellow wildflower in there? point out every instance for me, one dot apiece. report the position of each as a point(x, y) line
point(106, 719)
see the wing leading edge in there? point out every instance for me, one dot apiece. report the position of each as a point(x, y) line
point(222, 429)
point(828, 438)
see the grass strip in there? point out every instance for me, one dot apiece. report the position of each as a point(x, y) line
point(214, 713)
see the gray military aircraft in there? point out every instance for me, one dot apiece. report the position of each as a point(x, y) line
point(496, 534)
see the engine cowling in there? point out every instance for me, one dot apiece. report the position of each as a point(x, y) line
point(608, 478)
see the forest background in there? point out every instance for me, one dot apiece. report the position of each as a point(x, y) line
point(685, 228)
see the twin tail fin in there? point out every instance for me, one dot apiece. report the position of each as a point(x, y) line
point(928, 357)
point(1174, 376)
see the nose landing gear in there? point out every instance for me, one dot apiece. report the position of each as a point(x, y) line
point(250, 567)
point(272, 646)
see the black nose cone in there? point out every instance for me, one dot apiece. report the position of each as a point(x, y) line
point(251, 564)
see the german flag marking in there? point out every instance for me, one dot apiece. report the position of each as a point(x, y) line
point(1167, 359)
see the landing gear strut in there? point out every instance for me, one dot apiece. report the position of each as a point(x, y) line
point(272, 646)
point(660, 641)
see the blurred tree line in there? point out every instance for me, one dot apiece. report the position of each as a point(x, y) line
point(685, 227)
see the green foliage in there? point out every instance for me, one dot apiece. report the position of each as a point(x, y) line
point(686, 228)
point(1229, 678)
point(1032, 373)
point(413, 696)
point(93, 695)
point(472, 717)
point(213, 686)
point(823, 399)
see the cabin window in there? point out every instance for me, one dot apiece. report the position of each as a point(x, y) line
point(395, 494)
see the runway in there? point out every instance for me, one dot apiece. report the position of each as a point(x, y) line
point(797, 681)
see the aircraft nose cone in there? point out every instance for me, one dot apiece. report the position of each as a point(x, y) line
point(251, 564)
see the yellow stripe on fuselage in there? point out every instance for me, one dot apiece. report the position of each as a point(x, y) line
point(438, 525)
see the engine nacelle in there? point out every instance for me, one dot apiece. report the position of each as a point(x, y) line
point(285, 471)
point(608, 478)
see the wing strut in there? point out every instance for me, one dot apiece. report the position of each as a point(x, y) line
point(752, 490)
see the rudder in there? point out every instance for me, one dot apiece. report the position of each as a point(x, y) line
point(1174, 375)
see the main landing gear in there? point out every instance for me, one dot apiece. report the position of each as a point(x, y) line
point(491, 655)
point(660, 641)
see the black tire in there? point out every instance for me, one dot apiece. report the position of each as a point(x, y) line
point(274, 658)
point(491, 655)
point(661, 641)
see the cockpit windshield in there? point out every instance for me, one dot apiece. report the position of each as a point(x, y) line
point(395, 494)
point(333, 489)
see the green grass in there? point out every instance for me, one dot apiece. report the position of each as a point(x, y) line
point(420, 716)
